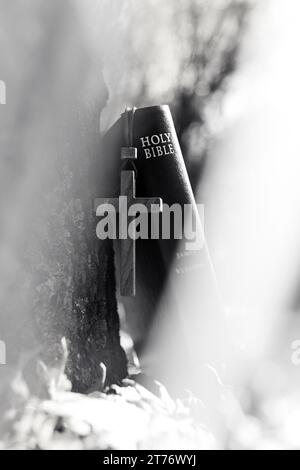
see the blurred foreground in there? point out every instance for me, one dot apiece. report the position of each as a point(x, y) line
point(233, 83)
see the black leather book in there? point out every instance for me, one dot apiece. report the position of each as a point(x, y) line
point(160, 172)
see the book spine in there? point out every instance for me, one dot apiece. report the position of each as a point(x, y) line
point(161, 172)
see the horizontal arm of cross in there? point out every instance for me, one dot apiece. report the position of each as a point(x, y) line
point(120, 204)
point(147, 202)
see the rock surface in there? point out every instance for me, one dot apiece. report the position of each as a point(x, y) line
point(57, 280)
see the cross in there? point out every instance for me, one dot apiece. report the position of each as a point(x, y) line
point(128, 245)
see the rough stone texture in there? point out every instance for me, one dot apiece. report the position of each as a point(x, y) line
point(57, 280)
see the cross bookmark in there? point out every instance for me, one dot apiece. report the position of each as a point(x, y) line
point(127, 244)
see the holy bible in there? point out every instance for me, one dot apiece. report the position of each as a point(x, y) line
point(165, 260)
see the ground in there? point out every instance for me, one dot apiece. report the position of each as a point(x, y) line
point(125, 417)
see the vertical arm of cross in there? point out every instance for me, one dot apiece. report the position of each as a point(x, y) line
point(120, 205)
point(127, 245)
